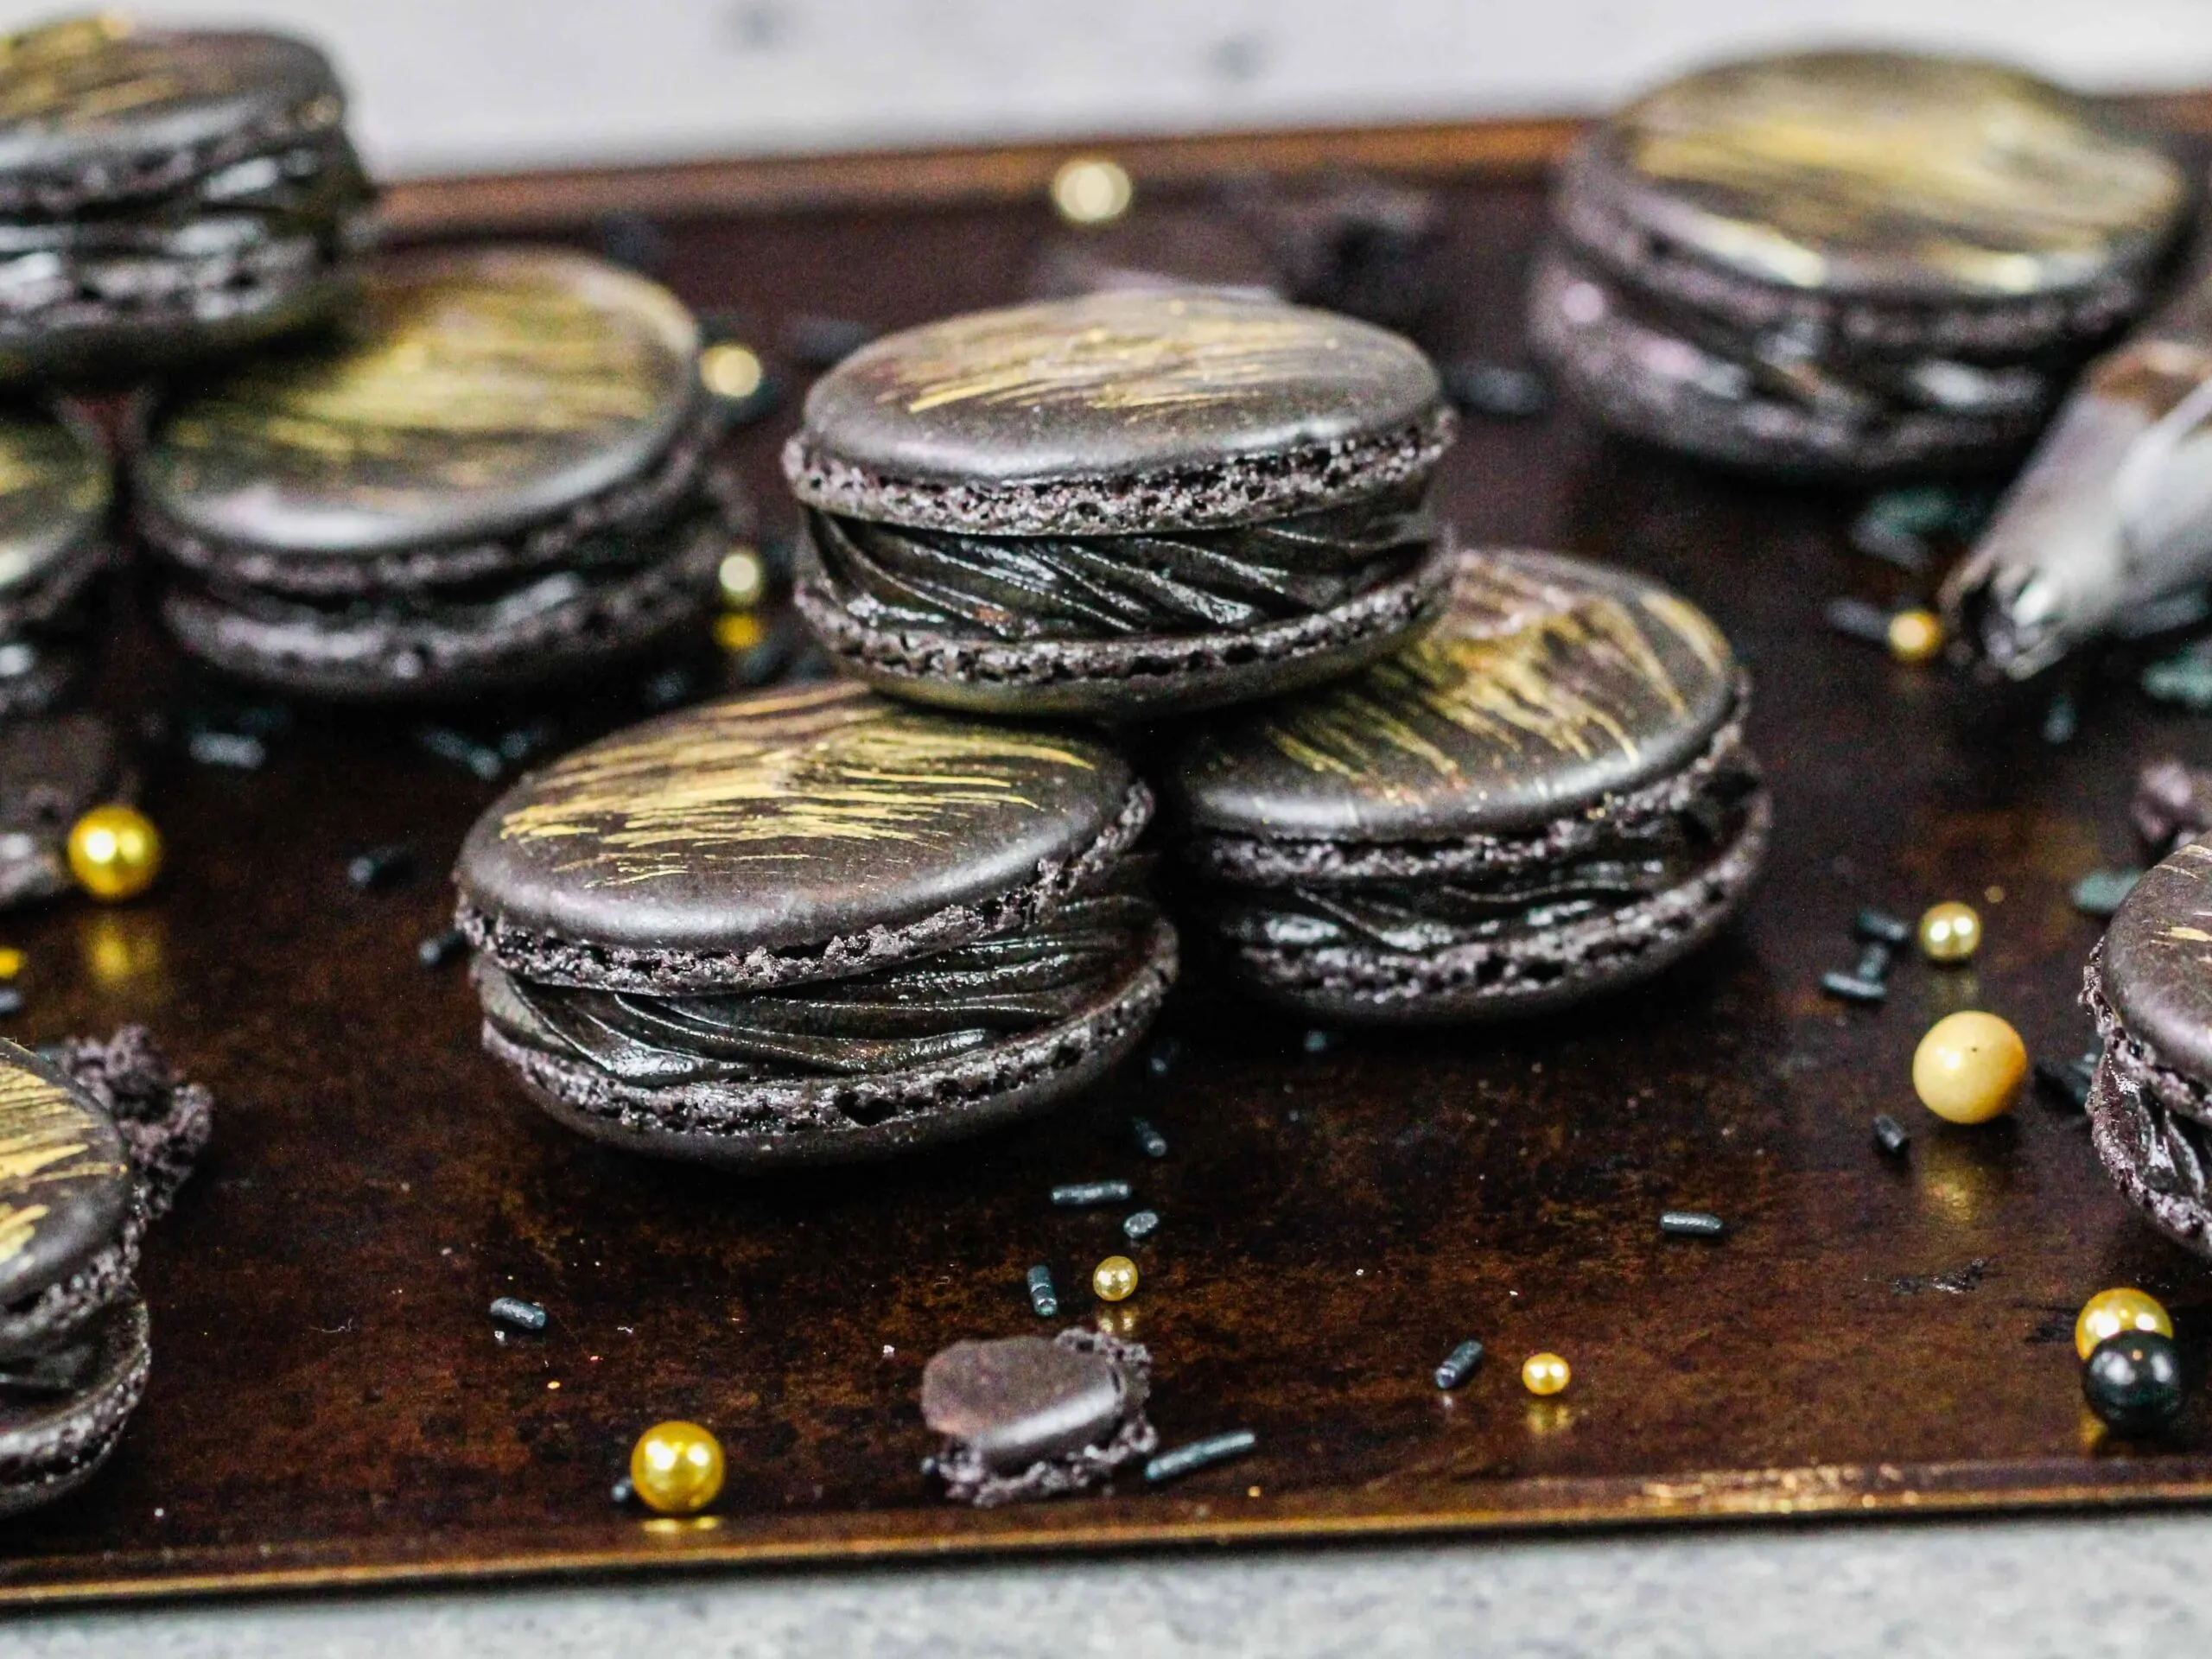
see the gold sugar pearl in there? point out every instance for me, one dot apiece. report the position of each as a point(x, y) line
point(1951, 932)
point(1545, 1374)
point(2109, 1312)
point(738, 631)
point(743, 578)
point(11, 961)
point(1114, 1278)
point(732, 370)
point(1091, 190)
point(677, 1468)
point(1970, 1068)
point(1915, 636)
point(114, 852)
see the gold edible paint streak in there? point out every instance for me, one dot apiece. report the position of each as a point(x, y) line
point(1138, 355)
point(43, 1139)
point(444, 374)
point(1973, 166)
point(763, 780)
point(1516, 662)
point(85, 71)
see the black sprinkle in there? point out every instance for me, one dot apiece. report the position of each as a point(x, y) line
point(2061, 720)
point(1851, 988)
point(1857, 620)
point(1692, 1223)
point(519, 743)
point(1503, 391)
point(1077, 1194)
point(1882, 927)
point(2067, 1081)
point(1873, 962)
point(1459, 1364)
point(1044, 1296)
point(1890, 1135)
point(523, 1316)
point(381, 867)
point(458, 749)
point(1142, 1224)
point(1150, 1141)
point(1319, 1042)
point(441, 948)
point(11, 1001)
point(1161, 1060)
point(668, 688)
point(1215, 1449)
point(236, 750)
point(622, 1492)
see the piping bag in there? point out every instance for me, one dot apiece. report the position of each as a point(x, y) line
point(2108, 529)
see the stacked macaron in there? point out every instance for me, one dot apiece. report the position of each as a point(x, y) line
point(828, 922)
point(99, 1139)
point(495, 469)
point(166, 194)
point(1849, 262)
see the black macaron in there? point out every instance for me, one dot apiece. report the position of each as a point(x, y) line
point(497, 471)
point(1121, 504)
point(166, 194)
point(1849, 262)
point(98, 1138)
point(1546, 796)
point(812, 924)
point(2149, 985)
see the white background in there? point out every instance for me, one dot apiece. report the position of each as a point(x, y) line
point(447, 86)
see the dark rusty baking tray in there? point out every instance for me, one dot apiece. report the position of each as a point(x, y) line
point(331, 1406)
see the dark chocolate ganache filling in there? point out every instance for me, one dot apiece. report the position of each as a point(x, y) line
point(913, 1013)
point(1086, 587)
point(1423, 917)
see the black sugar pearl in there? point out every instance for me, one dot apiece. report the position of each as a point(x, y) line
point(441, 948)
point(1043, 1297)
point(1882, 928)
point(381, 867)
point(1890, 1135)
point(11, 1001)
point(622, 1492)
point(1077, 1194)
point(1459, 1364)
point(1857, 620)
point(458, 749)
point(1161, 1060)
point(1501, 391)
point(2133, 1381)
point(1850, 988)
point(1143, 1223)
point(1692, 1223)
point(1150, 1141)
point(523, 1316)
point(819, 342)
point(1319, 1042)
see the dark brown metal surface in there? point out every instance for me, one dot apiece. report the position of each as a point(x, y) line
point(330, 1404)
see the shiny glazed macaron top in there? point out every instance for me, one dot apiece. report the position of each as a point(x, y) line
point(54, 491)
point(469, 394)
point(1887, 173)
point(65, 1181)
point(1549, 683)
point(1119, 387)
point(88, 90)
point(2158, 961)
point(783, 819)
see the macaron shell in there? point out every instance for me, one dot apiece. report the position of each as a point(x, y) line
point(783, 819)
point(56, 488)
point(2158, 961)
point(1550, 684)
point(65, 1179)
point(1888, 174)
point(470, 394)
point(50, 1447)
point(92, 89)
point(1111, 386)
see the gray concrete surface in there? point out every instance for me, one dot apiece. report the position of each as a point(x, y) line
point(2136, 1586)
